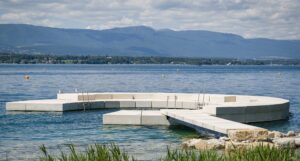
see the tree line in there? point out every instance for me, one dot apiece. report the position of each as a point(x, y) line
point(12, 58)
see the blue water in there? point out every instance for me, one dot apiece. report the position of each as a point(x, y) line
point(22, 133)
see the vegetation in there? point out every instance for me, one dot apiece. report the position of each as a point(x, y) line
point(260, 153)
point(96, 152)
point(113, 153)
point(10, 58)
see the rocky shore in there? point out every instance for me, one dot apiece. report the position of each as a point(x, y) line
point(244, 139)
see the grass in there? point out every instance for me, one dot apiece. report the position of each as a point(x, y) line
point(112, 152)
point(259, 153)
point(95, 152)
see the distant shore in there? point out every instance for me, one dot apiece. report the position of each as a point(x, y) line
point(12, 58)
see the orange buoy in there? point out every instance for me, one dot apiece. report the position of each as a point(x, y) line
point(26, 77)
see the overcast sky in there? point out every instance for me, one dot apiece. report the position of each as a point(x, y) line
point(279, 19)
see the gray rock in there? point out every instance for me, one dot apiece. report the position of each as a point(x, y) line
point(224, 138)
point(278, 134)
point(285, 142)
point(271, 134)
point(191, 143)
point(233, 146)
point(210, 144)
point(291, 134)
point(297, 142)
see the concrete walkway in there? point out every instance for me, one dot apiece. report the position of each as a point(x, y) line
point(198, 119)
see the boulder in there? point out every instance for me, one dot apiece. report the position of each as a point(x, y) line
point(190, 143)
point(210, 144)
point(274, 134)
point(297, 142)
point(278, 134)
point(224, 138)
point(271, 134)
point(233, 146)
point(291, 134)
point(285, 142)
point(248, 135)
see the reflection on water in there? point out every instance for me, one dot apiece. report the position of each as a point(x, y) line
point(22, 132)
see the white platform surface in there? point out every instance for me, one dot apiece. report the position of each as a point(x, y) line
point(199, 119)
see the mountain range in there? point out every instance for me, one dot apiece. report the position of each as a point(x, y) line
point(140, 41)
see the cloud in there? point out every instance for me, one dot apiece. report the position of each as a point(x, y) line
point(279, 19)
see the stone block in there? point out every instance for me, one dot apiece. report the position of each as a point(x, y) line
point(86, 97)
point(14, 106)
point(291, 134)
point(259, 117)
point(97, 105)
point(112, 104)
point(124, 117)
point(229, 98)
point(67, 96)
point(143, 104)
point(210, 144)
point(248, 135)
point(127, 104)
point(234, 146)
point(103, 96)
point(189, 105)
point(239, 110)
point(285, 142)
point(297, 142)
point(171, 104)
point(44, 107)
point(122, 96)
point(154, 118)
point(210, 109)
point(233, 117)
point(159, 104)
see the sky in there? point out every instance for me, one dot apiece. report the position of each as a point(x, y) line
point(275, 19)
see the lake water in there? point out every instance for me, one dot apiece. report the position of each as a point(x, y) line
point(22, 133)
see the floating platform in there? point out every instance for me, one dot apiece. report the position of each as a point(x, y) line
point(196, 119)
point(213, 112)
point(137, 117)
point(238, 108)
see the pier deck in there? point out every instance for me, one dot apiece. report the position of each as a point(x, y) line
point(237, 108)
point(197, 119)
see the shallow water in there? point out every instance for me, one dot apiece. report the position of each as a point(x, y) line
point(22, 133)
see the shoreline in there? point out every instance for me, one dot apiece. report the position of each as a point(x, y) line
point(15, 58)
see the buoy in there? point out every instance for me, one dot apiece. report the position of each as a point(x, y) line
point(26, 77)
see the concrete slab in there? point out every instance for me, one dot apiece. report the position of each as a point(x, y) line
point(123, 117)
point(196, 118)
point(136, 117)
point(127, 104)
point(143, 104)
point(154, 118)
point(112, 104)
point(234, 107)
point(159, 104)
